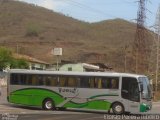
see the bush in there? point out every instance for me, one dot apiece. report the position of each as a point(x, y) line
point(19, 63)
point(33, 30)
point(6, 59)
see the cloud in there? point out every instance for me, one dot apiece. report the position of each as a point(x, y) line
point(49, 4)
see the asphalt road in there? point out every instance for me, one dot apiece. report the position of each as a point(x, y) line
point(13, 112)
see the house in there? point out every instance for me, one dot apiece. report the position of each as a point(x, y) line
point(81, 67)
point(103, 67)
point(34, 63)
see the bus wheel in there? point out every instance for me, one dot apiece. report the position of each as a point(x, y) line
point(117, 108)
point(48, 104)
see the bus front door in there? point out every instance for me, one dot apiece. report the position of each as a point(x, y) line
point(130, 92)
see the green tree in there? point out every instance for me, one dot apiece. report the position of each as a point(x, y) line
point(5, 57)
point(19, 63)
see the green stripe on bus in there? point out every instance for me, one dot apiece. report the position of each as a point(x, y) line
point(94, 104)
point(103, 95)
point(35, 97)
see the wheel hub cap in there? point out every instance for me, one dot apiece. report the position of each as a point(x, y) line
point(48, 104)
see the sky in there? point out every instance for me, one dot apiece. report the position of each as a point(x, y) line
point(98, 10)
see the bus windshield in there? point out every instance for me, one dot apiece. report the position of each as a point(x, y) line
point(145, 88)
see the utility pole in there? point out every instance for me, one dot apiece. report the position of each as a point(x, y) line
point(125, 50)
point(17, 49)
point(57, 52)
point(157, 31)
point(139, 45)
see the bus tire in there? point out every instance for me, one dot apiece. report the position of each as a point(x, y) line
point(118, 108)
point(48, 104)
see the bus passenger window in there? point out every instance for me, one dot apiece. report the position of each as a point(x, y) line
point(114, 84)
point(110, 82)
point(34, 79)
point(92, 83)
point(72, 82)
point(99, 83)
point(84, 82)
point(23, 80)
point(51, 80)
point(47, 80)
point(62, 81)
point(40, 80)
point(54, 81)
point(104, 83)
point(14, 79)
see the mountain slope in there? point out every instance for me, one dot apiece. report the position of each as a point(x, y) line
point(35, 31)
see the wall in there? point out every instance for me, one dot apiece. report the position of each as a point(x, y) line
point(3, 79)
point(72, 67)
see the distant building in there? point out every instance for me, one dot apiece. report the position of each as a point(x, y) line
point(81, 67)
point(103, 67)
point(72, 66)
point(34, 63)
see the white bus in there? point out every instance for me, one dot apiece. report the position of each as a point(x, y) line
point(93, 91)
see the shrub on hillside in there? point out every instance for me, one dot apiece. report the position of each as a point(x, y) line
point(33, 30)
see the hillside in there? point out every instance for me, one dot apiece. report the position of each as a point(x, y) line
point(34, 31)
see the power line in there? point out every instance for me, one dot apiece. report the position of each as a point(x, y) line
point(89, 8)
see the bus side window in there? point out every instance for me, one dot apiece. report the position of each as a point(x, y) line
point(40, 80)
point(110, 82)
point(48, 80)
point(99, 83)
point(114, 83)
point(14, 79)
point(92, 82)
point(54, 80)
point(95, 82)
point(51, 80)
point(28, 79)
point(62, 81)
point(72, 82)
point(105, 83)
point(84, 82)
point(34, 79)
point(23, 79)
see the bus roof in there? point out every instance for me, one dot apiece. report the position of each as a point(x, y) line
point(74, 73)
